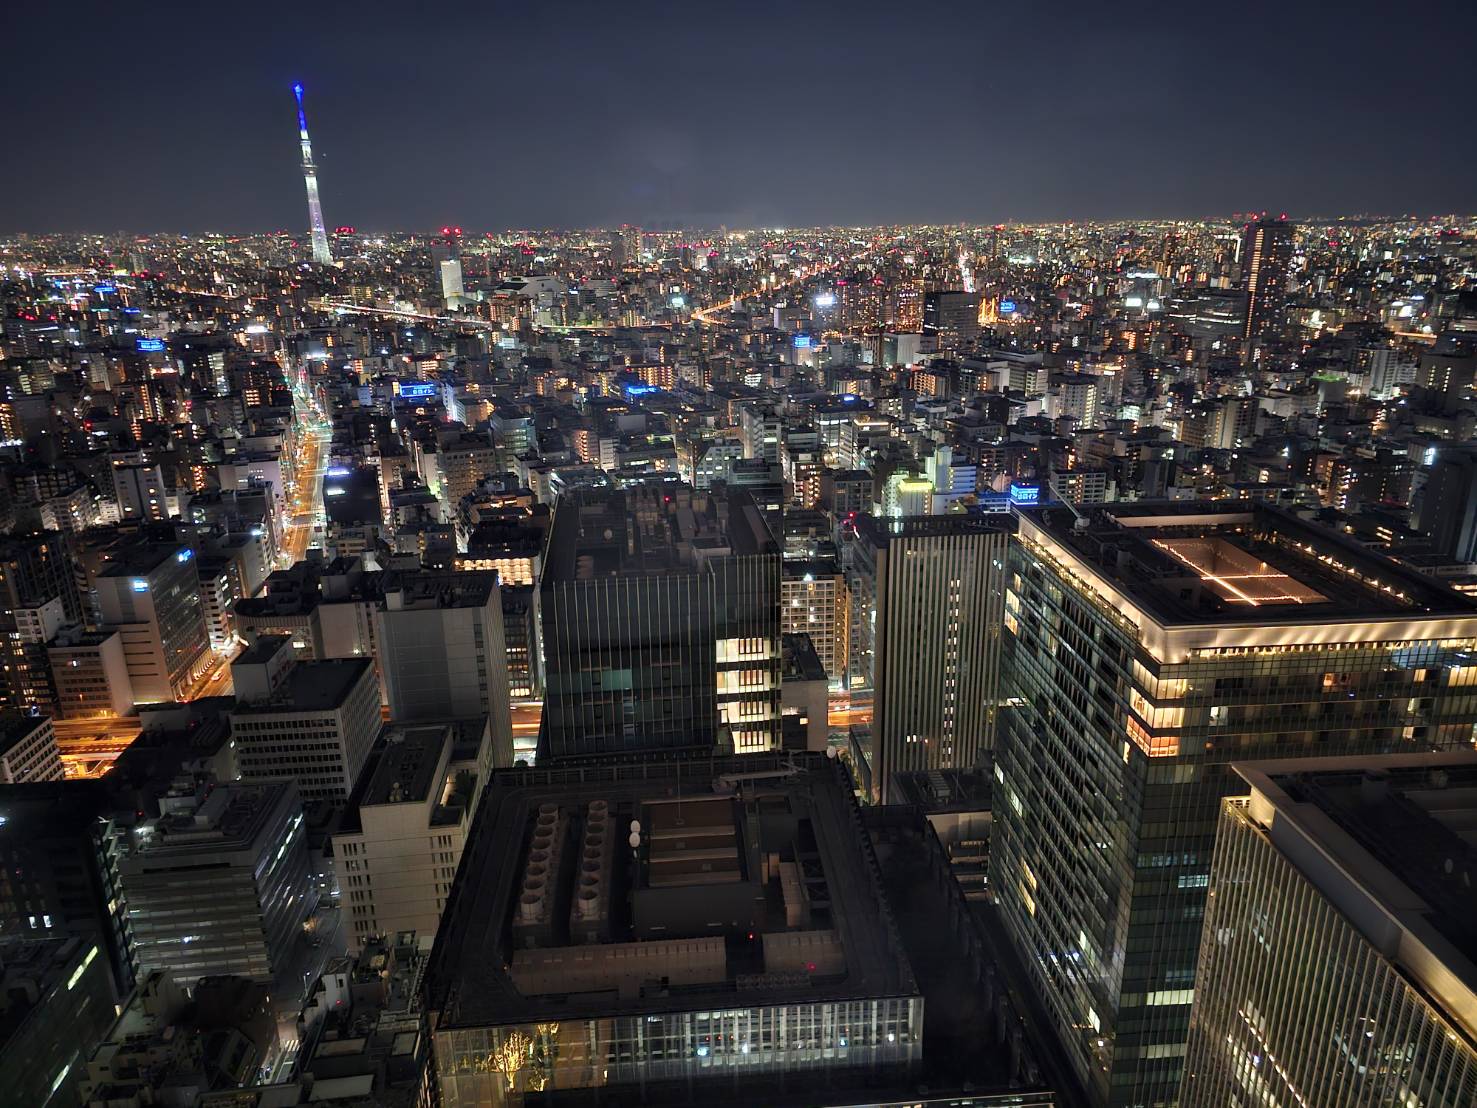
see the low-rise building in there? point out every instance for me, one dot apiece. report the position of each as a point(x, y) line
point(89, 674)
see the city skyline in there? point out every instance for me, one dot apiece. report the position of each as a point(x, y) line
point(888, 115)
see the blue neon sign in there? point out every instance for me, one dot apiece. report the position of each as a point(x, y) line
point(1007, 306)
point(1025, 496)
point(105, 290)
point(149, 346)
point(633, 391)
point(418, 390)
point(802, 342)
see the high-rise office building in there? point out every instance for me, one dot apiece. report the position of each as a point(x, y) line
point(28, 750)
point(1448, 506)
point(314, 722)
point(55, 1005)
point(930, 589)
point(951, 318)
point(566, 963)
point(1266, 259)
point(1145, 651)
point(140, 493)
point(399, 839)
point(150, 594)
point(660, 609)
point(89, 675)
point(59, 852)
point(1339, 960)
point(34, 573)
point(451, 282)
point(219, 882)
point(443, 653)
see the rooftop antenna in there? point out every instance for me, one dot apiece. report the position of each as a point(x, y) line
point(310, 179)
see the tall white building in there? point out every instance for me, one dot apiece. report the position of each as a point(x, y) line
point(312, 721)
point(150, 594)
point(400, 838)
point(442, 652)
point(1336, 958)
point(451, 283)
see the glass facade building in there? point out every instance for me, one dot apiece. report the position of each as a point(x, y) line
point(660, 617)
point(1144, 653)
point(500, 1065)
point(1337, 967)
point(744, 943)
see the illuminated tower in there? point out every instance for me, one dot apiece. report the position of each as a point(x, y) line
point(310, 178)
point(1266, 258)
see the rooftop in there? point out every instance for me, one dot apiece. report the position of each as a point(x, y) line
point(1391, 841)
point(799, 661)
point(406, 768)
point(1192, 562)
point(353, 497)
point(228, 817)
point(770, 846)
point(428, 589)
point(142, 559)
point(313, 686)
point(651, 529)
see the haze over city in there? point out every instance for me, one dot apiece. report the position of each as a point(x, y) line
point(682, 115)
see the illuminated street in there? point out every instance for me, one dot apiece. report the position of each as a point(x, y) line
point(89, 747)
point(849, 710)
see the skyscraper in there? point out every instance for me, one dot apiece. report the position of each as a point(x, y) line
point(931, 591)
point(1144, 653)
point(310, 179)
point(1448, 507)
point(1337, 964)
point(1266, 256)
point(661, 626)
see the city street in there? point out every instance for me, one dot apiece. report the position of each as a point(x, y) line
point(89, 746)
point(849, 710)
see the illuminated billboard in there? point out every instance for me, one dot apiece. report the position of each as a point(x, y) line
point(418, 390)
point(149, 346)
point(1024, 496)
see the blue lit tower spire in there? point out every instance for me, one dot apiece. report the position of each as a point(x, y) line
point(310, 178)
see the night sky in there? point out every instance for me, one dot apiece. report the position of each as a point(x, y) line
point(165, 116)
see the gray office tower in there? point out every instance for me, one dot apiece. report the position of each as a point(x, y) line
point(1144, 653)
point(929, 595)
point(660, 611)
